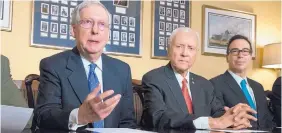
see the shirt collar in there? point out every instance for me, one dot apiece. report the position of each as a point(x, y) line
point(179, 77)
point(237, 77)
point(87, 62)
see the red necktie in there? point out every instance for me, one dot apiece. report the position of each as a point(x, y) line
point(187, 96)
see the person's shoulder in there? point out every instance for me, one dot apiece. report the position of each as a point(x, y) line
point(57, 60)
point(4, 59)
point(254, 83)
point(156, 73)
point(198, 77)
point(277, 81)
point(58, 57)
point(217, 78)
point(113, 62)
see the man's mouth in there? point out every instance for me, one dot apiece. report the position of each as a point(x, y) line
point(93, 41)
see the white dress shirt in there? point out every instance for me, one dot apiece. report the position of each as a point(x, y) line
point(73, 118)
point(238, 80)
point(201, 122)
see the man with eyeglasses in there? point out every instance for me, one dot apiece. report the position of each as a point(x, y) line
point(234, 87)
point(83, 87)
point(174, 97)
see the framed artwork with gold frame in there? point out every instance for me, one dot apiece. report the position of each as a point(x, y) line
point(220, 24)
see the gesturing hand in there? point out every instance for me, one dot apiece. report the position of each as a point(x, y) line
point(94, 108)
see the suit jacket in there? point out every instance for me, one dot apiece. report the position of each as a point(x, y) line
point(165, 106)
point(276, 100)
point(64, 86)
point(10, 94)
point(230, 94)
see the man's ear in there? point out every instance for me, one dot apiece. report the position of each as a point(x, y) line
point(227, 59)
point(73, 29)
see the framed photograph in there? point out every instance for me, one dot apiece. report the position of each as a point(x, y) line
point(168, 12)
point(219, 25)
point(162, 26)
point(124, 36)
point(182, 14)
point(116, 19)
point(64, 11)
point(44, 26)
point(124, 20)
point(166, 18)
point(175, 13)
point(121, 3)
point(54, 27)
point(131, 37)
point(63, 28)
point(44, 8)
point(6, 11)
point(131, 22)
point(116, 35)
point(55, 10)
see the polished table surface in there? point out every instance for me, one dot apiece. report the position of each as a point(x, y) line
point(275, 130)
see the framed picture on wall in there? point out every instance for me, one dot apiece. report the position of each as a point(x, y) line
point(219, 25)
point(51, 27)
point(168, 16)
point(6, 11)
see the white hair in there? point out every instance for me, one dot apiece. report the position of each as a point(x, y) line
point(183, 29)
point(76, 12)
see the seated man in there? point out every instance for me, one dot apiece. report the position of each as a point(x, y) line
point(76, 85)
point(174, 97)
point(10, 94)
point(234, 87)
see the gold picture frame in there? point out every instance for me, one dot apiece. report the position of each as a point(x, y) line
point(220, 24)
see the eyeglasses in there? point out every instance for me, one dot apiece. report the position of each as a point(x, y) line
point(89, 23)
point(236, 51)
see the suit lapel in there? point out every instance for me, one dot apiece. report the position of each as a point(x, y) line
point(196, 92)
point(175, 88)
point(77, 77)
point(256, 94)
point(234, 86)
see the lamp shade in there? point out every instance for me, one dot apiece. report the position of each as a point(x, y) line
point(272, 56)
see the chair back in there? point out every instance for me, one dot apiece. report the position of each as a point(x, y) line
point(31, 89)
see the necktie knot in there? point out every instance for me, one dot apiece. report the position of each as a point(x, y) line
point(92, 66)
point(243, 82)
point(184, 81)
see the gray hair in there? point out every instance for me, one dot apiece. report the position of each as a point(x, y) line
point(183, 29)
point(76, 16)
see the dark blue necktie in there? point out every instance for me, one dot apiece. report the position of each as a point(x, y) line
point(93, 82)
point(247, 94)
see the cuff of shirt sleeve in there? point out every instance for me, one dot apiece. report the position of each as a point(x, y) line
point(201, 123)
point(73, 120)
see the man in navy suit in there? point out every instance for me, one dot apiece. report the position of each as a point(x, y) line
point(235, 87)
point(76, 86)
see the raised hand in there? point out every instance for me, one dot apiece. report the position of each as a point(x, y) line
point(95, 108)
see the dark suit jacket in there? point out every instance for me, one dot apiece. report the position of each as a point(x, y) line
point(276, 100)
point(64, 87)
point(165, 106)
point(230, 94)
